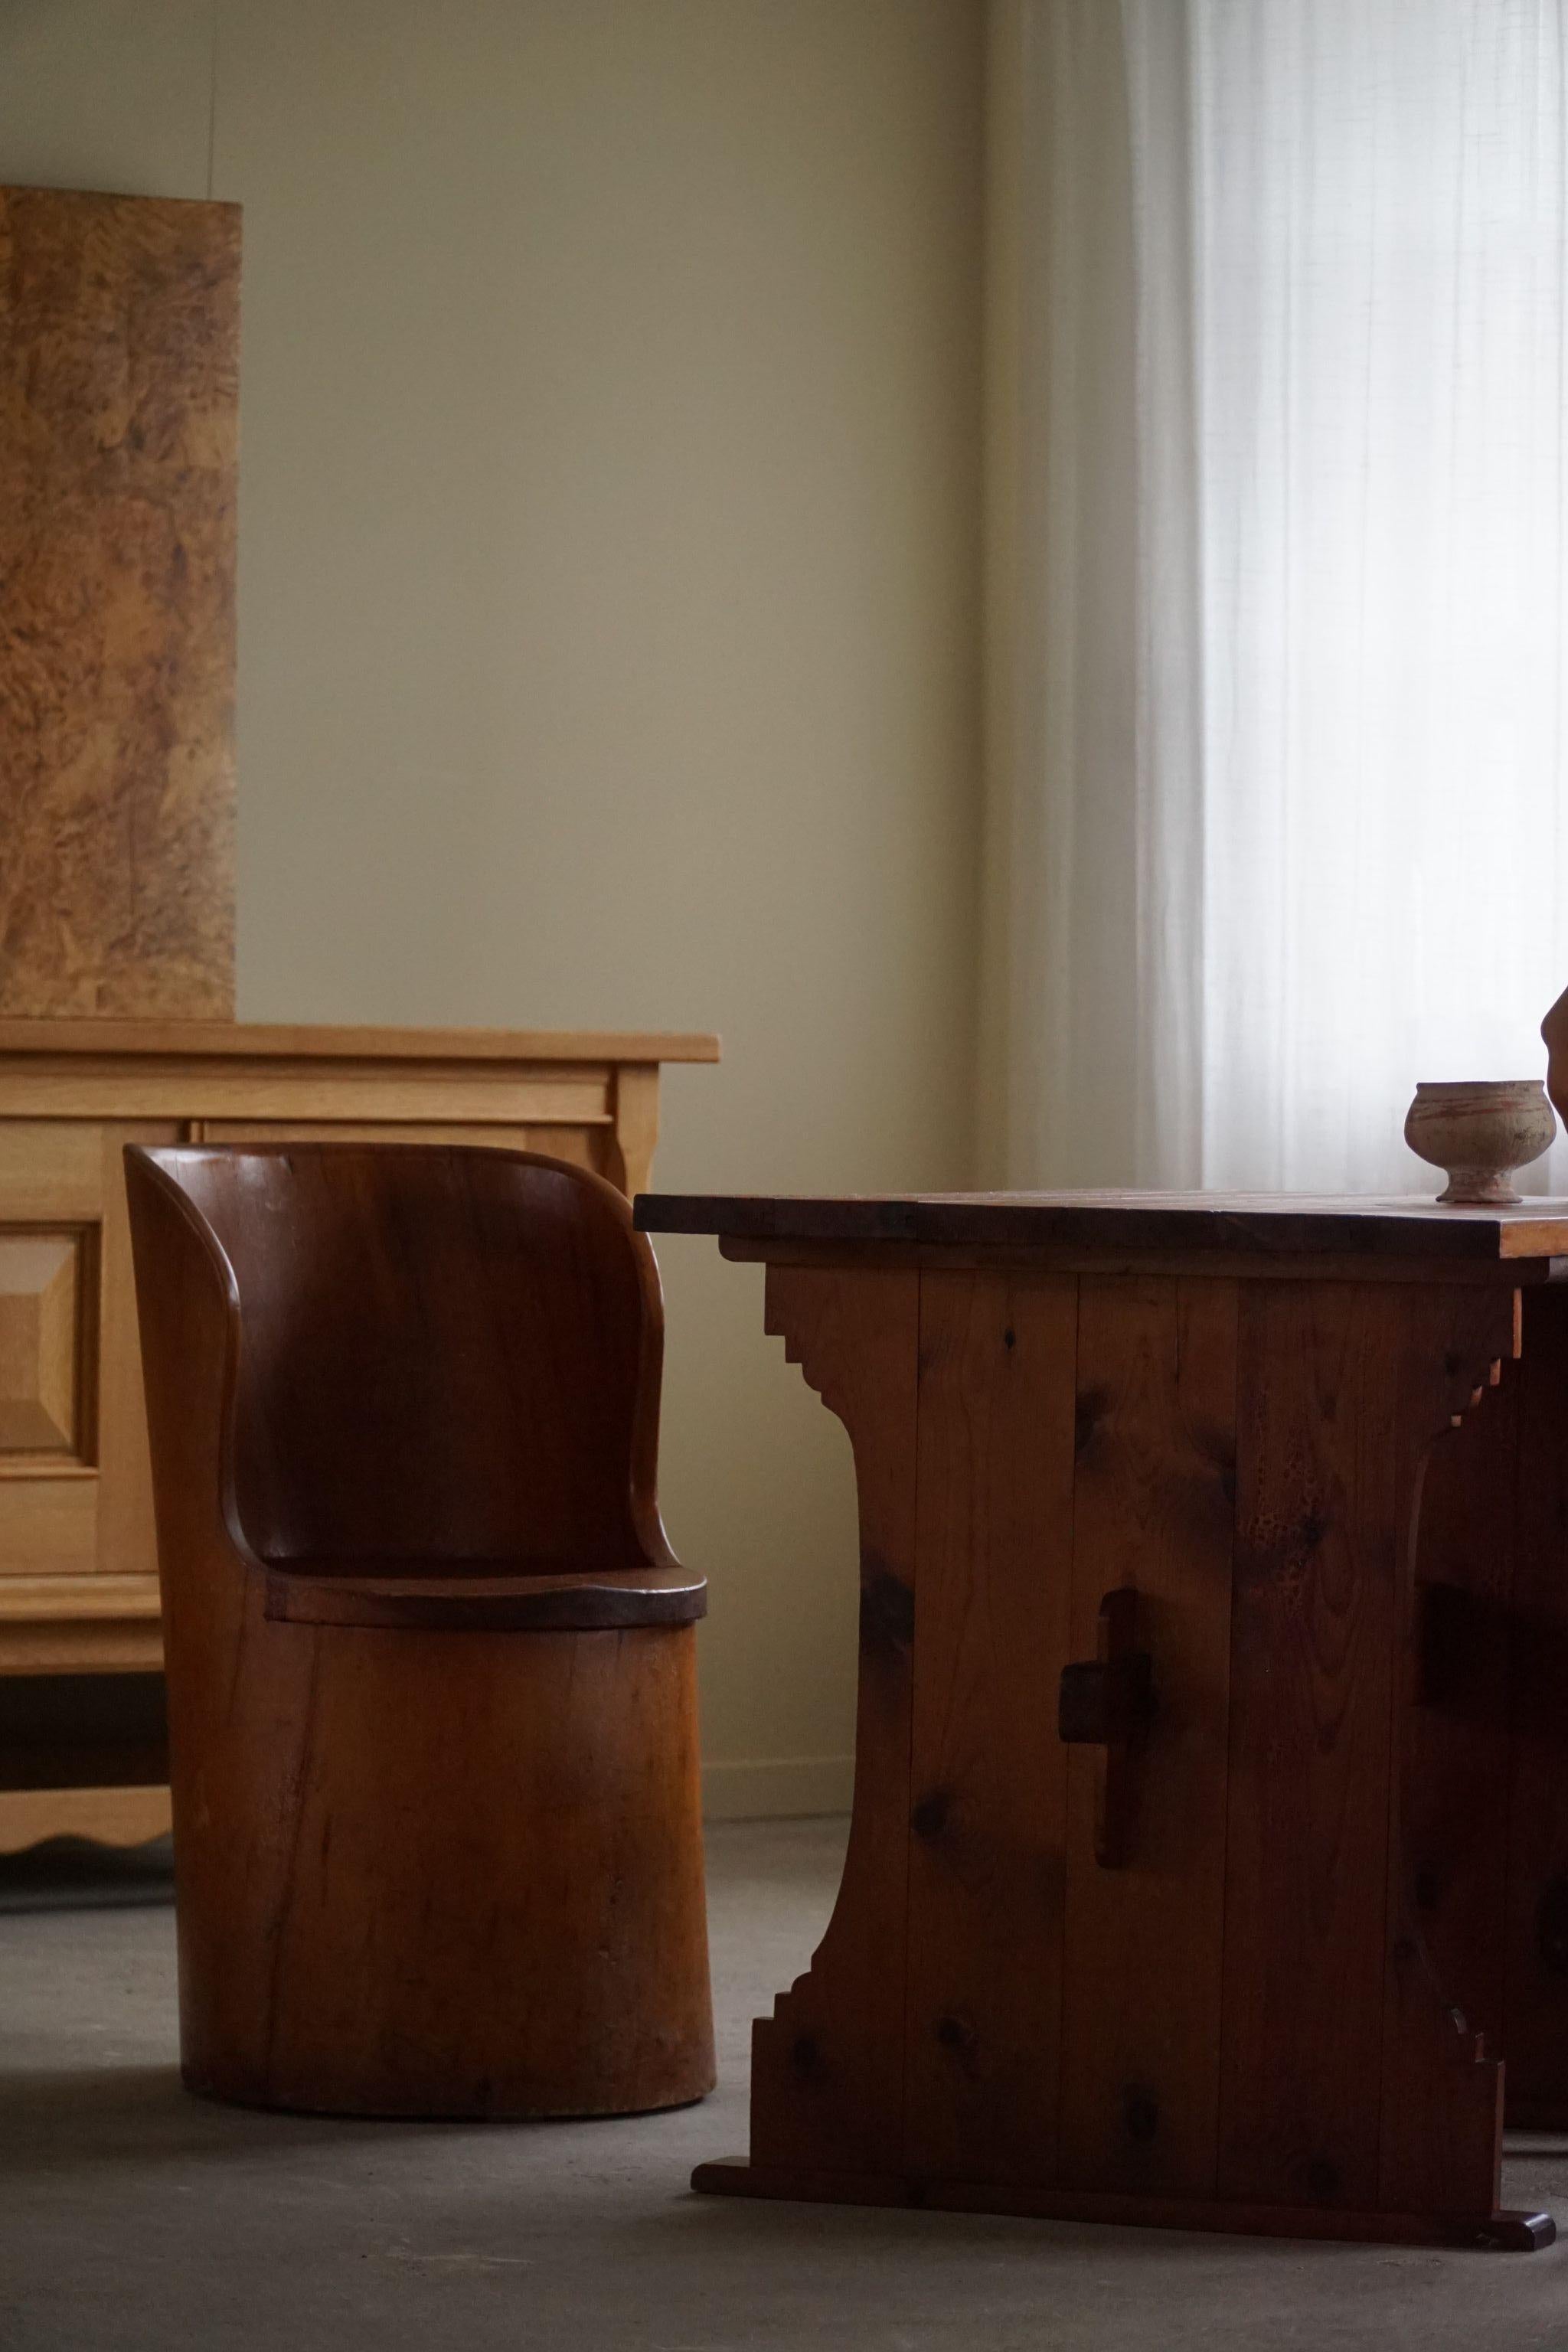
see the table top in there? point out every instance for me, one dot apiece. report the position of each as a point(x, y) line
point(314, 1042)
point(1235, 1223)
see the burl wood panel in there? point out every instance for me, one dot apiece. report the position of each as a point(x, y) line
point(119, 401)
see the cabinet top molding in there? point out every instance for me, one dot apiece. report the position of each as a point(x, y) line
point(205, 1041)
point(1258, 1226)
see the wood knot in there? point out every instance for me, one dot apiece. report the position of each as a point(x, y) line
point(1216, 1446)
point(957, 2039)
point(1140, 2115)
point(929, 1816)
point(887, 1612)
point(1089, 1411)
point(1315, 1526)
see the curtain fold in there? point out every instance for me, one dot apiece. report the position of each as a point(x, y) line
point(1277, 591)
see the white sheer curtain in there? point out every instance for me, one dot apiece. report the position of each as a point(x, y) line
point(1278, 602)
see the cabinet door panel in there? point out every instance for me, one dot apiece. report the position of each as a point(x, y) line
point(75, 1489)
point(51, 1216)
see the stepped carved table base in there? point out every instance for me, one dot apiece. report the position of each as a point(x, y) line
point(1500, 2232)
point(1210, 1836)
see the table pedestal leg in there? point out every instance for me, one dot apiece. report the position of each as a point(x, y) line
point(827, 2068)
point(1269, 2005)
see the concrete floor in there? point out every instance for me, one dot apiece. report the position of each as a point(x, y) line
point(133, 2216)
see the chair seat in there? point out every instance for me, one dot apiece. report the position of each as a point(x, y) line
point(482, 1597)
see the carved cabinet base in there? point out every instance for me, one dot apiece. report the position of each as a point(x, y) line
point(1177, 1889)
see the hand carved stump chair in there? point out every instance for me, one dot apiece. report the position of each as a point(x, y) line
point(437, 1836)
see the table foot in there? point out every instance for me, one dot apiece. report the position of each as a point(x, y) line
point(1500, 2232)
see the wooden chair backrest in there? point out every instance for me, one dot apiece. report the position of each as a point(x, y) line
point(440, 1353)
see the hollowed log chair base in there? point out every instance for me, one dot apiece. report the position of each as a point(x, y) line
point(431, 1663)
point(470, 1883)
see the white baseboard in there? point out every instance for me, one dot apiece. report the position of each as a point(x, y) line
point(776, 1788)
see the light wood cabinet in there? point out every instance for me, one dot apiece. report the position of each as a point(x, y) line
point(79, 1586)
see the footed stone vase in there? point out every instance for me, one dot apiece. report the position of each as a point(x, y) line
point(1478, 1131)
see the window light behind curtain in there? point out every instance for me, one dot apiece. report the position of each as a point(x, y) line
point(1279, 580)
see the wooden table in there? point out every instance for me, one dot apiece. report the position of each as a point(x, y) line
point(1210, 1838)
point(78, 1585)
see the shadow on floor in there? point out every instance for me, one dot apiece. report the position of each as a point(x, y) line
point(140, 2115)
point(71, 1874)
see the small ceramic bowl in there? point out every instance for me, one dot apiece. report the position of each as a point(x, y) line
point(1479, 1130)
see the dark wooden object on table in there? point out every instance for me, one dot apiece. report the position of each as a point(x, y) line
point(1214, 1610)
point(431, 1659)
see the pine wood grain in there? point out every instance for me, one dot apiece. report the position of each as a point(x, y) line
point(1311, 1702)
point(1152, 1508)
point(228, 1041)
point(989, 1786)
point(827, 2067)
point(306, 1093)
point(1535, 2038)
point(582, 1146)
point(1255, 1227)
point(633, 1135)
point(1280, 1978)
point(1440, 2139)
point(420, 1869)
point(481, 1385)
point(115, 1816)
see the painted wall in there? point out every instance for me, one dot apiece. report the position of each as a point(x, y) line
point(609, 640)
